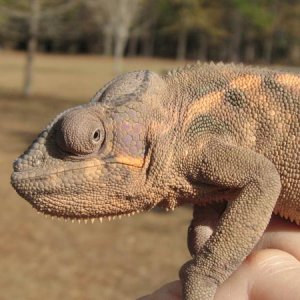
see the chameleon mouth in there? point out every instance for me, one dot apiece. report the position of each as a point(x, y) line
point(44, 173)
point(74, 166)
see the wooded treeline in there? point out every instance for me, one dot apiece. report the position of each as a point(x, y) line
point(251, 31)
point(229, 30)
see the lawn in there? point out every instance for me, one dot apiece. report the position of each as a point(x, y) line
point(52, 259)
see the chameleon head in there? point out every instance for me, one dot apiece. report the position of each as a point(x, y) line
point(87, 161)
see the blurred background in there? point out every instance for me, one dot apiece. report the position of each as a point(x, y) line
point(55, 54)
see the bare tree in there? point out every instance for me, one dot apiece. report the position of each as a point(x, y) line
point(236, 28)
point(125, 13)
point(143, 29)
point(115, 17)
point(291, 21)
point(31, 45)
point(33, 14)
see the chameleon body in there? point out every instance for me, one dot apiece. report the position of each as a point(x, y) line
point(204, 134)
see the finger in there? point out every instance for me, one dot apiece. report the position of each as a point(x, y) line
point(266, 274)
point(170, 291)
point(282, 235)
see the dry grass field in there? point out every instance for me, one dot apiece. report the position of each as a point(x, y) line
point(45, 259)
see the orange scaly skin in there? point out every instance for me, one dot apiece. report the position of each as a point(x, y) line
point(224, 136)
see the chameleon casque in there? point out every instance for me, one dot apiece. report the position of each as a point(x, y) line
point(203, 134)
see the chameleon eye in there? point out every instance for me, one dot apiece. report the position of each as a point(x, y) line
point(96, 136)
point(80, 133)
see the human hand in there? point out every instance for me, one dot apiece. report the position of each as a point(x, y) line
point(270, 272)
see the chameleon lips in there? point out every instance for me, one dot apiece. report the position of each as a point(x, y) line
point(44, 173)
point(47, 172)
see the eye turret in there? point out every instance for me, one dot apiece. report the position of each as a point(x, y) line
point(80, 133)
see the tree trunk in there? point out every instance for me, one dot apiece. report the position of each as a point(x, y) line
point(181, 44)
point(269, 38)
point(223, 52)
point(250, 51)
point(203, 47)
point(108, 41)
point(236, 36)
point(31, 45)
point(120, 43)
point(294, 53)
point(133, 44)
point(268, 49)
point(147, 44)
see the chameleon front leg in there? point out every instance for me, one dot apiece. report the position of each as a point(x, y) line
point(256, 183)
